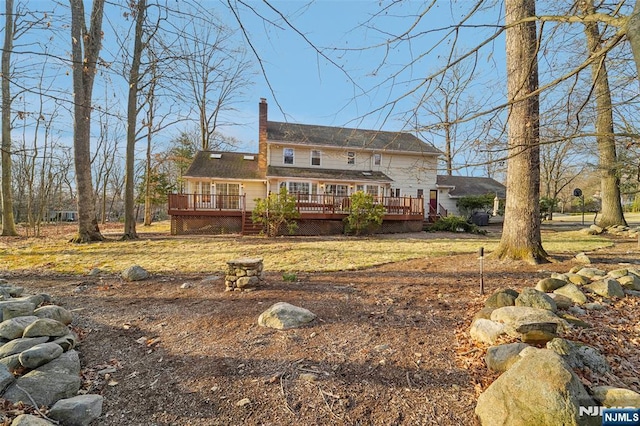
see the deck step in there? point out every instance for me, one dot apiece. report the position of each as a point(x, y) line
point(250, 228)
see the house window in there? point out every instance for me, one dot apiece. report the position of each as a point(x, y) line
point(377, 159)
point(288, 156)
point(341, 190)
point(351, 157)
point(315, 158)
point(372, 190)
point(300, 189)
point(228, 196)
point(360, 188)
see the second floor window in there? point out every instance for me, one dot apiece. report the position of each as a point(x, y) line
point(315, 158)
point(288, 156)
point(351, 157)
point(377, 159)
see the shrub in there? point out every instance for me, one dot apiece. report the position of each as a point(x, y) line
point(454, 224)
point(276, 211)
point(470, 204)
point(364, 213)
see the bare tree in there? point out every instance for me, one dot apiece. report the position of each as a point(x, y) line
point(216, 73)
point(611, 213)
point(85, 47)
point(521, 237)
point(8, 222)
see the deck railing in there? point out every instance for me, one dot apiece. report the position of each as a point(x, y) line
point(206, 202)
point(305, 203)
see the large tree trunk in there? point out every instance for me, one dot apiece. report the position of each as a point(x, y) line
point(8, 221)
point(132, 119)
point(521, 238)
point(84, 69)
point(633, 34)
point(611, 209)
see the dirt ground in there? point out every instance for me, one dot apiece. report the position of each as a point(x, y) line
point(389, 346)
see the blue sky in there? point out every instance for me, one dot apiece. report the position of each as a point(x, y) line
point(308, 88)
point(312, 90)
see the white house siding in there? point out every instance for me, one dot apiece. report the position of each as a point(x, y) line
point(254, 190)
point(447, 202)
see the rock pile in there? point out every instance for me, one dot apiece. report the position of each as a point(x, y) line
point(38, 363)
point(538, 384)
point(619, 230)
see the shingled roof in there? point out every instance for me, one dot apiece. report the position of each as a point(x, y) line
point(342, 137)
point(229, 165)
point(328, 174)
point(464, 186)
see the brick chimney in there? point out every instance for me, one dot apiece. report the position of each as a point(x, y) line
point(262, 136)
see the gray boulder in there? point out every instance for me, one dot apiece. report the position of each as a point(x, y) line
point(15, 308)
point(40, 354)
point(77, 411)
point(537, 333)
point(607, 287)
point(6, 378)
point(46, 327)
point(577, 279)
point(538, 390)
point(11, 290)
point(18, 345)
point(630, 282)
point(579, 355)
point(536, 299)
point(515, 316)
point(617, 273)
point(500, 358)
point(562, 302)
point(29, 420)
point(48, 383)
point(583, 258)
point(67, 342)
point(282, 316)
point(54, 312)
point(547, 285)
point(610, 396)
point(486, 331)
point(36, 299)
point(572, 292)
point(591, 272)
point(135, 273)
point(14, 327)
point(500, 298)
point(12, 362)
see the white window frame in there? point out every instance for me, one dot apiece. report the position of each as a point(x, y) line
point(351, 157)
point(318, 157)
point(377, 159)
point(285, 156)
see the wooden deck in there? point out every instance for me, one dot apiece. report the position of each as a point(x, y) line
point(330, 207)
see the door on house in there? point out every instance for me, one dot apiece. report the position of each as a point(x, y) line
point(433, 202)
point(228, 196)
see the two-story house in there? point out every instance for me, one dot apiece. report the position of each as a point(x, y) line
point(322, 166)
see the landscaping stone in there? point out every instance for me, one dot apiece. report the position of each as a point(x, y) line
point(547, 285)
point(573, 320)
point(617, 273)
point(77, 411)
point(591, 272)
point(540, 389)
point(562, 302)
point(572, 292)
point(607, 287)
point(583, 258)
point(46, 327)
point(578, 279)
point(500, 358)
point(48, 383)
point(515, 316)
point(135, 273)
point(610, 396)
point(533, 298)
point(579, 355)
point(15, 308)
point(486, 331)
point(6, 378)
point(537, 333)
point(55, 312)
point(501, 297)
point(29, 420)
point(282, 316)
point(40, 354)
point(484, 313)
point(14, 327)
point(630, 282)
point(18, 345)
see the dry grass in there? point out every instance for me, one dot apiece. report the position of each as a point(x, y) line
point(159, 252)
